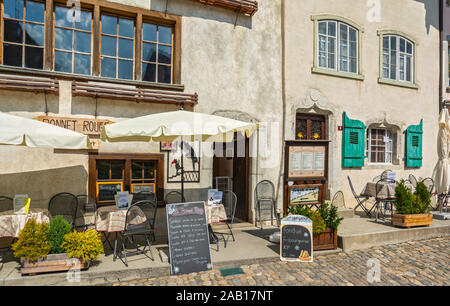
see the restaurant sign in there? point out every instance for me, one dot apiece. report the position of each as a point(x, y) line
point(90, 127)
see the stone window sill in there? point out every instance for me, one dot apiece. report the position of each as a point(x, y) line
point(339, 74)
point(398, 83)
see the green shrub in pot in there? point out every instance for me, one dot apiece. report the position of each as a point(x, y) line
point(59, 227)
point(406, 202)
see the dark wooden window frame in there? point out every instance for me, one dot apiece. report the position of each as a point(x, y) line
point(308, 119)
point(158, 158)
point(98, 7)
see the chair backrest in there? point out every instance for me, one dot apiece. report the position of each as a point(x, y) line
point(351, 186)
point(6, 204)
point(412, 179)
point(385, 173)
point(378, 186)
point(376, 178)
point(141, 217)
point(265, 190)
point(429, 183)
point(85, 203)
point(143, 195)
point(338, 199)
point(174, 197)
point(229, 201)
point(63, 204)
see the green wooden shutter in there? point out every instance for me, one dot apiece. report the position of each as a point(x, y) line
point(413, 145)
point(353, 141)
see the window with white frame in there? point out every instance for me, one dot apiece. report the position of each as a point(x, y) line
point(379, 146)
point(337, 46)
point(398, 58)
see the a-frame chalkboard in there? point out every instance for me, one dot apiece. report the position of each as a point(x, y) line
point(188, 238)
point(296, 243)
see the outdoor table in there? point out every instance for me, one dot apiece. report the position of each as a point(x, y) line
point(11, 224)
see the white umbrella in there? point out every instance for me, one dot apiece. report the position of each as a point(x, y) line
point(171, 125)
point(441, 170)
point(16, 130)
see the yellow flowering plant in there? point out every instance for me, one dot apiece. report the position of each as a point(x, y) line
point(83, 245)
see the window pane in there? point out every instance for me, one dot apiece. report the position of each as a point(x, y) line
point(126, 48)
point(116, 169)
point(332, 29)
point(13, 31)
point(402, 67)
point(63, 16)
point(409, 48)
point(84, 22)
point(109, 25)
point(149, 171)
point(136, 171)
point(149, 31)
point(331, 60)
point(34, 57)
point(408, 68)
point(164, 74)
point(82, 42)
point(385, 42)
point(109, 46)
point(63, 39)
point(126, 27)
point(353, 51)
point(149, 52)
point(82, 64)
point(352, 34)
point(12, 55)
point(63, 61)
point(13, 9)
point(35, 11)
point(164, 54)
point(149, 72)
point(103, 170)
point(393, 43)
point(322, 43)
point(125, 69)
point(323, 27)
point(300, 129)
point(402, 45)
point(343, 31)
point(316, 129)
point(165, 35)
point(393, 65)
point(322, 59)
point(108, 67)
point(34, 34)
point(353, 65)
point(331, 45)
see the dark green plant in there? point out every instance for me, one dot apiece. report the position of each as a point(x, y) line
point(317, 220)
point(406, 202)
point(58, 228)
point(33, 241)
point(329, 214)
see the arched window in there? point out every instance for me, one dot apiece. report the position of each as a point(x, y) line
point(398, 58)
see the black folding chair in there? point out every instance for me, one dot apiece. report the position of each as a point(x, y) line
point(6, 203)
point(386, 204)
point(86, 209)
point(359, 199)
point(140, 221)
point(174, 197)
point(64, 204)
point(265, 193)
point(229, 200)
point(144, 195)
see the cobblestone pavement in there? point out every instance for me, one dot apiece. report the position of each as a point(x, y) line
point(424, 262)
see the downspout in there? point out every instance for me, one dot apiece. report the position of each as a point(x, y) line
point(283, 97)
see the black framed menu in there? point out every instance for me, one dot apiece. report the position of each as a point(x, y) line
point(188, 238)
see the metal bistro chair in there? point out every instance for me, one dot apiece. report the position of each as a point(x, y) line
point(174, 197)
point(265, 193)
point(429, 183)
point(386, 204)
point(144, 195)
point(86, 210)
point(385, 173)
point(6, 203)
point(412, 179)
point(338, 199)
point(359, 199)
point(229, 200)
point(140, 221)
point(64, 204)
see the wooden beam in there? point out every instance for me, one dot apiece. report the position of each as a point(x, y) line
point(48, 40)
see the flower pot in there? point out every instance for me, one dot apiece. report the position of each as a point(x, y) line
point(52, 263)
point(327, 240)
point(412, 220)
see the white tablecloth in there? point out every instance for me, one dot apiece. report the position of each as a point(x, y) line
point(11, 224)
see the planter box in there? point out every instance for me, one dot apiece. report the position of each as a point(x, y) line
point(412, 220)
point(327, 240)
point(52, 263)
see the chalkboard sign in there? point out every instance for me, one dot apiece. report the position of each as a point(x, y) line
point(107, 190)
point(296, 239)
point(135, 188)
point(188, 238)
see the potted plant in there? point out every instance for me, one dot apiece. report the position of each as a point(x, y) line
point(44, 247)
point(412, 208)
point(325, 223)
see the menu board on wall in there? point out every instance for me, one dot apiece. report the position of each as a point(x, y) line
point(306, 161)
point(304, 194)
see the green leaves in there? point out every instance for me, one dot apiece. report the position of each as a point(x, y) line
point(58, 228)
point(406, 203)
point(325, 217)
point(83, 245)
point(33, 241)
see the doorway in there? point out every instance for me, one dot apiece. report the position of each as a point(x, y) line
point(231, 169)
